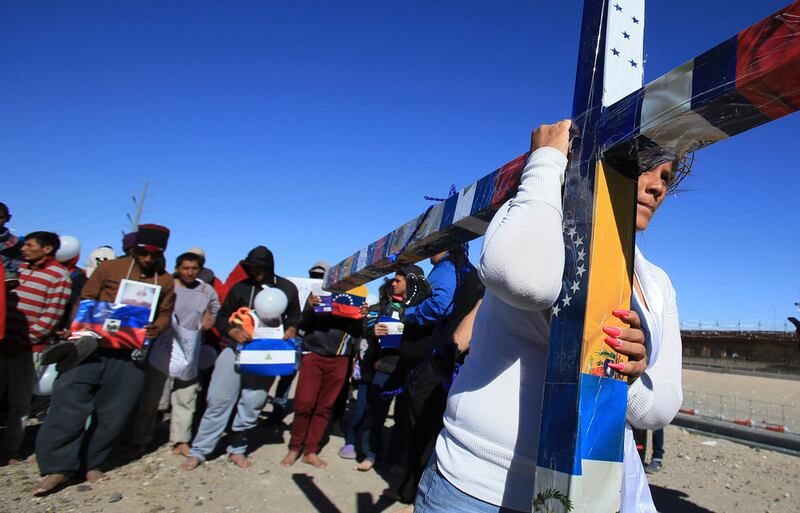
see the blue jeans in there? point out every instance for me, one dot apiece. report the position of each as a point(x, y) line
point(658, 444)
point(355, 414)
point(435, 494)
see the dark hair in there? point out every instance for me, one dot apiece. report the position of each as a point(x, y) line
point(681, 167)
point(4, 209)
point(45, 239)
point(191, 257)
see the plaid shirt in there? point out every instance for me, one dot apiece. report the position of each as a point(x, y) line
point(37, 304)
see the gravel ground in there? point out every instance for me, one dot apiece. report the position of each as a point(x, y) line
point(701, 474)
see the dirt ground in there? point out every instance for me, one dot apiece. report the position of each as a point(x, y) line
point(701, 474)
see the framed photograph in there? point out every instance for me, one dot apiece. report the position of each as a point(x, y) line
point(136, 293)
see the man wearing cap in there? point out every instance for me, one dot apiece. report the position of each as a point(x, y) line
point(35, 307)
point(106, 384)
point(207, 275)
point(327, 346)
point(128, 243)
point(228, 388)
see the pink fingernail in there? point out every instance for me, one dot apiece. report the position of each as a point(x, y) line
point(613, 342)
point(621, 313)
point(610, 330)
point(616, 366)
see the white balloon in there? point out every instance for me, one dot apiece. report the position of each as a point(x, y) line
point(270, 303)
point(70, 248)
point(44, 385)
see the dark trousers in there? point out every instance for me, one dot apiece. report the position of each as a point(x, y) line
point(658, 444)
point(427, 400)
point(144, 421)
point(318, 385)
point(371, 435)
point(356, 409)
point(106, 385)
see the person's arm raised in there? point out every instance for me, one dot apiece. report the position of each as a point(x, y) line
point(522, 260)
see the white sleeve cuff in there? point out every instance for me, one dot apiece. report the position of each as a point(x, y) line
point(640, 400)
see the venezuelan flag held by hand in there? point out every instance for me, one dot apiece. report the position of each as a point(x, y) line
point(120, 326)
point(348, 304)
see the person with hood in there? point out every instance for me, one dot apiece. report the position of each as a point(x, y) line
point(106, 383)
point(431, 362)
point(408, 288)
point(228, 388)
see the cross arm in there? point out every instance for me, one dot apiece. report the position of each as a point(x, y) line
point(746, 81)
point(460, 218)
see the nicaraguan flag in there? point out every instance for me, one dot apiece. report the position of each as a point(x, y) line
point(268, 357)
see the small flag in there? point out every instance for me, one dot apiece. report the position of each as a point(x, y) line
point(395, 327)
point(348, 304)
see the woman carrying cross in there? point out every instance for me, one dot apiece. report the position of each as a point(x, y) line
point(486, 454)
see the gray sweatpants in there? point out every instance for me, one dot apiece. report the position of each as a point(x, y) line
point(228, 388)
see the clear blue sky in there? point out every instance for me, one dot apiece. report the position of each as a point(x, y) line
point(316, 127)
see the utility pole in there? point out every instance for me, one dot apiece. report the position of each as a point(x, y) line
point(139, 205)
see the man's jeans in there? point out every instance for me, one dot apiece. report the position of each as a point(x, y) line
point(228, 388)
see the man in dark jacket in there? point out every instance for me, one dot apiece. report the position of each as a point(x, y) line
point(228, 388)
point(328, 343)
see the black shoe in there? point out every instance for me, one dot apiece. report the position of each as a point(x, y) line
point(654, 466)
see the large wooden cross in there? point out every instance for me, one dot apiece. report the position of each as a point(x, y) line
point(623, 129)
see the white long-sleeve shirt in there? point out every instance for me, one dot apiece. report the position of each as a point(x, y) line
point(489, 443)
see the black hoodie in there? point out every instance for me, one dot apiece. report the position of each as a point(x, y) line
point(244, 293)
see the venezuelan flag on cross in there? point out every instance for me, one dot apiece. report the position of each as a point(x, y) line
point(120, 326)
point(348, 304)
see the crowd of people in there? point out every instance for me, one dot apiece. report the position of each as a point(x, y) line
point(121, 397)
point(460, 353)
